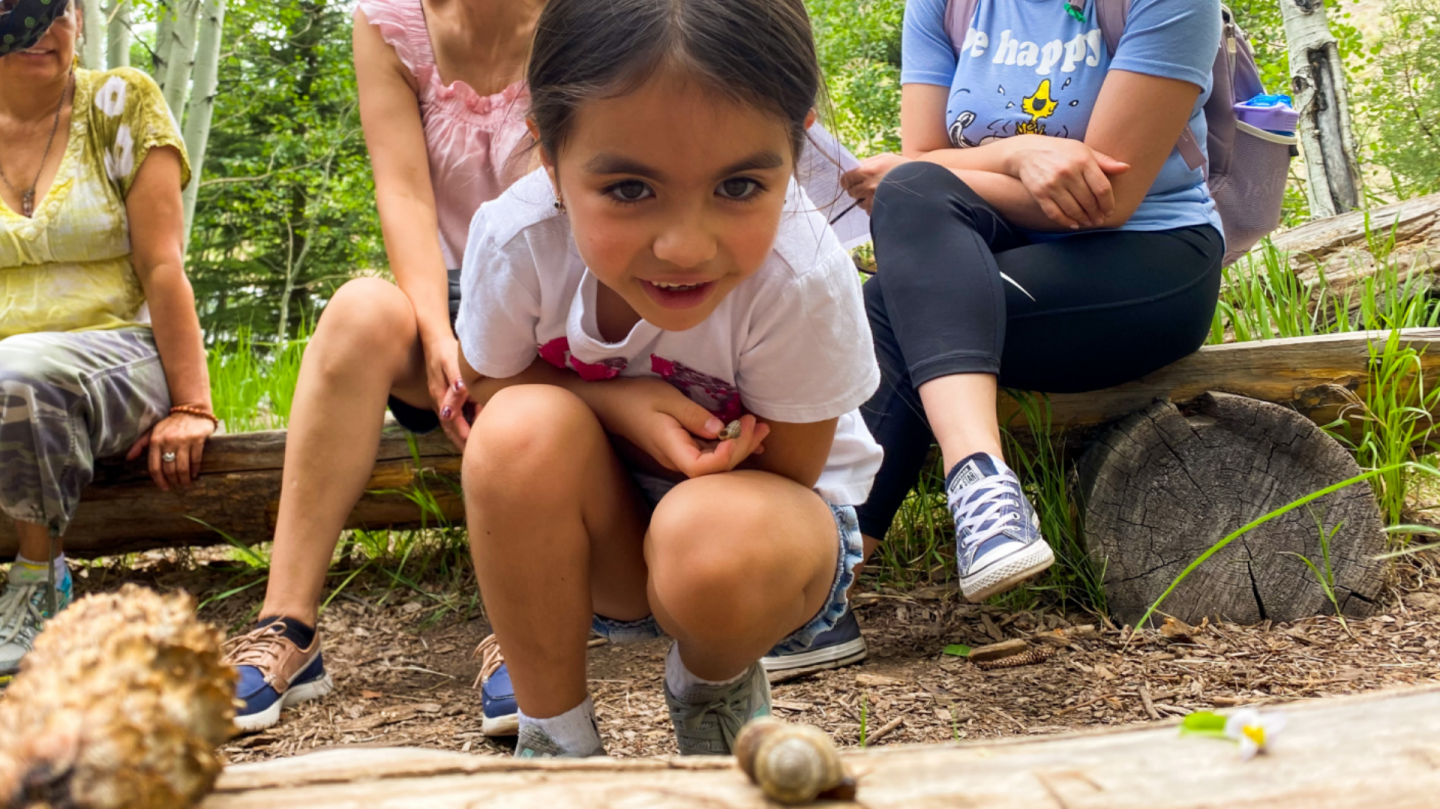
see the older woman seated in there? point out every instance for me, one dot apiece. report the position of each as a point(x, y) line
point(100, 348)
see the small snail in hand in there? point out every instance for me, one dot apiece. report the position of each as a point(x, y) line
point(792, 764)
point(732, 430)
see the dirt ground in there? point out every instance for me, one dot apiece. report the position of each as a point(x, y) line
point(405, 679)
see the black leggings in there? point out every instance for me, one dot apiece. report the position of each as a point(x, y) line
point(1097, 309)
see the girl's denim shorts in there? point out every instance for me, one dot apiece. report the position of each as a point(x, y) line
point(852, 552)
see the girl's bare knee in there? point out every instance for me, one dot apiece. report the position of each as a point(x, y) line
point(529, 435)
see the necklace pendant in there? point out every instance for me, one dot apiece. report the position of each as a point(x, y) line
point(27, 203)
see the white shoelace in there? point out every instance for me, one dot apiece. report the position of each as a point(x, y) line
point(996, 502)
point(16, 605)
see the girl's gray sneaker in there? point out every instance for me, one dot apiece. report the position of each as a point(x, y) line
point(707, 718)
point(536, 743)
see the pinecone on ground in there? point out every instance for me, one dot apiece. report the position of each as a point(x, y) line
point(121, 705)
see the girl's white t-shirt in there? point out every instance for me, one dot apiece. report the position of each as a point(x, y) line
point(790, 343)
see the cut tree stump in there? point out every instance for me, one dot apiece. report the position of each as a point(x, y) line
point(1162, 486)
point(239, 487)
point(1377, 750)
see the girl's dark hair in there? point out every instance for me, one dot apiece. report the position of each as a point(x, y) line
point(759, 52)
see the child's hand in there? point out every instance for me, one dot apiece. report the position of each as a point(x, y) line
point(679, 434)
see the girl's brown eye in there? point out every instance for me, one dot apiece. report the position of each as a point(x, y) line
point(738, 188)
point(630, 191)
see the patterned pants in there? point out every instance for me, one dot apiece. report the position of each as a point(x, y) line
point(67, 398)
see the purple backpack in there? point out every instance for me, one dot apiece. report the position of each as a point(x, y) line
point(1248, 165)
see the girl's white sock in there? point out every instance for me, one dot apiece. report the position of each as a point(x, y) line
point(679, 679)
point(574, 731)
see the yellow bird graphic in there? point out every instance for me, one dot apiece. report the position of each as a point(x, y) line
point(1040, 105)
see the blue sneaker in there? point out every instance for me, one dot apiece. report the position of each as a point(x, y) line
point(501, 715)
point(841, 646)
point(997, 533)
point(24, 609)
point(275, 673)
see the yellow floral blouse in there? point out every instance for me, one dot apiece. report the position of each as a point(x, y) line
point(68, 269)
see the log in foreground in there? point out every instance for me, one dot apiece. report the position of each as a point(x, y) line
point(1162, 486)
point(1368, 751)
point(239, 489)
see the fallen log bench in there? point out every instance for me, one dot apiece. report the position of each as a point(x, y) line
point(1377, 750)
point(1177, 469)
point(238, 493)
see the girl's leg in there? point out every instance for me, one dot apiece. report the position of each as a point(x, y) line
point(556, 529)
point(737, 562)
point(365, 347)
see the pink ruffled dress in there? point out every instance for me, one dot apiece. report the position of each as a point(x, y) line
point(471, 139)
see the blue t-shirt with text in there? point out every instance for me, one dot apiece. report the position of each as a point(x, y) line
point(1028, 66)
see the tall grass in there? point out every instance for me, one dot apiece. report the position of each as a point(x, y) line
point(252, 383)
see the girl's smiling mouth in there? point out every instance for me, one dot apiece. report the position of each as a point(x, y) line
point(678, 296)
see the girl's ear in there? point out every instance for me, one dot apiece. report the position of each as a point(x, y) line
point(810, 118)
point(546, 159)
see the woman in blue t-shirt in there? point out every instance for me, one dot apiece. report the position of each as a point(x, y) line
point(1041, 231)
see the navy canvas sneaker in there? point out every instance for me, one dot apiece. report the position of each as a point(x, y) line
point(997, 533)
point(275, 673)
point(501, 715)
point(832, 649)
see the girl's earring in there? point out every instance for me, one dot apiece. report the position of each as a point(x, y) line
point(559, 203)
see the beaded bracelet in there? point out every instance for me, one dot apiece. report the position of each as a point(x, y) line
point(195, 411)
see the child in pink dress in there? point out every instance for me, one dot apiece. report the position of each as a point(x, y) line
point(443, 103)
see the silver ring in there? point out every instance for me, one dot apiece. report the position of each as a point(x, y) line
point(167, 457)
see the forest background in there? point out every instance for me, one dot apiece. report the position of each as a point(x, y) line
point(284, 210)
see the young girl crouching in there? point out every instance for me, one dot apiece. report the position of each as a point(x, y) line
point(662, 277)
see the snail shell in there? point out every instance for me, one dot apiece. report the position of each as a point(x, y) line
point(792, 764)
point(732, 430)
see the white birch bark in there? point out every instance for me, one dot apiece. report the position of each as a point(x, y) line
point(92, 46)
point(1317, 82)
point(202, 99)
point(181, 59)
point(117, 35)
point(164, 39)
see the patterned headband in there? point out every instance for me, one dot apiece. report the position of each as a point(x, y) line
point(26, 21)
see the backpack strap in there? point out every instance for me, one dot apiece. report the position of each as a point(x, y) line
point(1112, 15)
point(958, 14)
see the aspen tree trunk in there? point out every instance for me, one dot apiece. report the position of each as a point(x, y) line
point(181, 59)
point(1317, 81)
point(117, 47)
point(92, 48)
point(202, 99)
point(164, 39)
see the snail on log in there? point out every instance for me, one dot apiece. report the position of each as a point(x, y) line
point(792, 764)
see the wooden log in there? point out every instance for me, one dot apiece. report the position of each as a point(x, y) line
point(1306, 374)
point(239, 493)
point(1360, 752)
point(1340, 246)
point(239, 489)
point(1163, 486)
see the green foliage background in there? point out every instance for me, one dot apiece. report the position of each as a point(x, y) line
point(286, 208)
